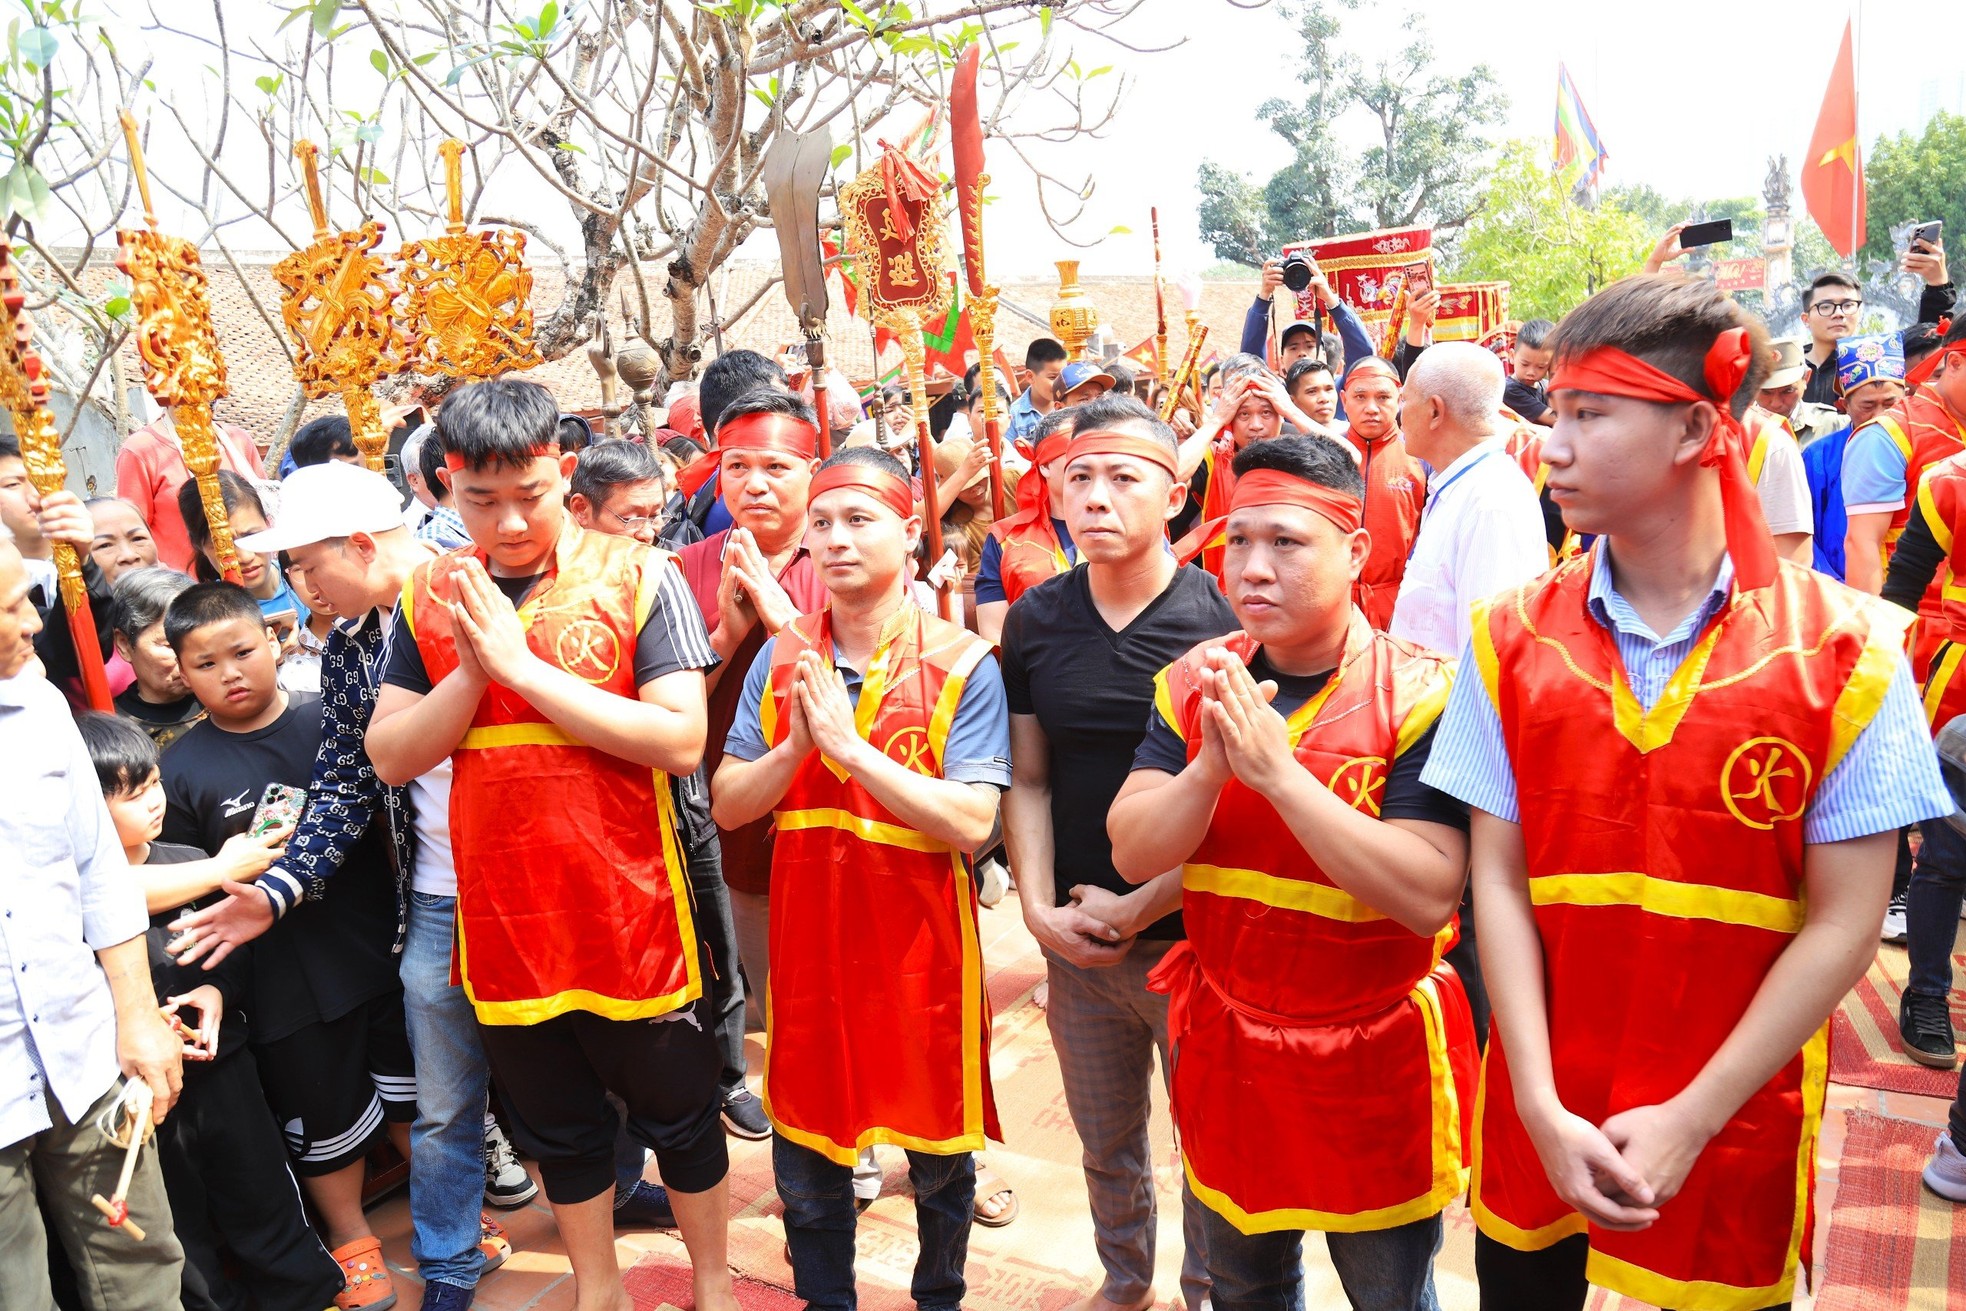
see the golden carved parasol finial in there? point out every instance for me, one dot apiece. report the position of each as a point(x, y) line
point(467, 296)
point(339, 309)
point(182, 366)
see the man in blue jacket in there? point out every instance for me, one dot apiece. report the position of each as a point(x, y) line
point(1300, 338)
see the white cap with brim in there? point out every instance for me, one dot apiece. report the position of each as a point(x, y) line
point(324, 501)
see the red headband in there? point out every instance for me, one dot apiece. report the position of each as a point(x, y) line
point(1275, 487)
point(544, 451)
point(769, 431)
point(1099, 442)
point(893, 492)
point(1051, 448)
point(1609, 371)
point(1922, 372)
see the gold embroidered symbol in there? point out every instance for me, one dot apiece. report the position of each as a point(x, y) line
point(1361, 783)
point(589, 650)
point(1766, 781)
point(909, 747)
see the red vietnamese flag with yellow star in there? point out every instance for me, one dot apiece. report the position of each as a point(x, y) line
point(1833, 170)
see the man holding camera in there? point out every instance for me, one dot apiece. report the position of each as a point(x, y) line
point(1299, 272)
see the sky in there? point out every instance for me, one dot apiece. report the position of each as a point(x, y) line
point(1691, 109)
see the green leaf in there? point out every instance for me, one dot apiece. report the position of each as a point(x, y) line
point(421, 60)
point(842, 153)
point(570, 147)
point(269, 83)
point(296, 12)
point(38, 46)
point(764, 97)
point(549, 17)
point(379, 61)
point(1120, 230)
point(325, 12)
point(117, 306)
point(369, 133)
point(1044, 20)
point(375, 177)
point(1099, 71)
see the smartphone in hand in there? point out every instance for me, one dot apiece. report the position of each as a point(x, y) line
point(1706, 234)
point(279, 806)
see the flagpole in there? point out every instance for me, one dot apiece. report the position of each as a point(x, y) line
point(1857, 141)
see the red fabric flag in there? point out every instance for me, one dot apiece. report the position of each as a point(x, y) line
point(1833, 170)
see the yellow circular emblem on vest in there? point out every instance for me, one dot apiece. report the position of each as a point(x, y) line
point(910, 748)
point(589, 650)
point(1766, 782)
point(1361, 783)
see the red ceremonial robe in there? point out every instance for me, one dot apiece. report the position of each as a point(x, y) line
point(572, 893)
point(879, 1029)
point(1324, 1057)
point(1665, 863)
point(1395, 492)
point(1942, 496)
point(1925, 433)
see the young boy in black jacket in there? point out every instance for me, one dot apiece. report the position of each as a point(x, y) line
point(225, 1167)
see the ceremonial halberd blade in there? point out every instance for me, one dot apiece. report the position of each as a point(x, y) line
point(339, 309)
point(182, 366)
point(467, 295)
point(793, 171)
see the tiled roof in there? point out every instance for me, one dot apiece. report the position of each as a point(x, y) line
point(262, 381)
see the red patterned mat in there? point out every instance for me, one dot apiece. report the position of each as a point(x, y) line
point(1865, 1050)
point(1892, 1244)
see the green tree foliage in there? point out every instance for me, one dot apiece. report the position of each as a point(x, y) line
point(1912, 179)
point(1552, 252)
point(1417, 162)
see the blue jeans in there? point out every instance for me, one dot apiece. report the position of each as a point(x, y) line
point(1932, 907)
point(447, 1142)
point(1381, 1270)
point(820, 1220)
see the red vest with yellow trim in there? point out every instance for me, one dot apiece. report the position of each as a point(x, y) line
point(879, 1029)
point(1925, 433)
point(1030, 554)
point(1942, 499)
point(572, 893)
point(1324, 1069)
point(1395, 492)
point(1763, 426)
point(1665, 865)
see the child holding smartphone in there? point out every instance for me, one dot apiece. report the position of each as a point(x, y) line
point(225, 1168)
point(327, 1005)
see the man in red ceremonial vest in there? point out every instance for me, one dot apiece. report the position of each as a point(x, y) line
point(1033, 543)
point(1395, 484)
point(1884, 461)
point(879, 782)
point(1324, 1057)
point(749, 581)
point(561, 671)
point(1682, 844)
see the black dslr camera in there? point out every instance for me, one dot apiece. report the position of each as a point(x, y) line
point(1298, 270)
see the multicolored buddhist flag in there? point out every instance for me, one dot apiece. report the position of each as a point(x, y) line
point(1833, 170)
point(1580, 154)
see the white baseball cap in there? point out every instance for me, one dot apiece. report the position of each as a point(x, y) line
point(324, 501)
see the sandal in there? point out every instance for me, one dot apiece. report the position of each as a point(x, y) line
point(989, 1187)
point(368, 1286)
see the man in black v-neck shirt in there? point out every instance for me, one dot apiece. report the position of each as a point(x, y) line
point(1080, 652)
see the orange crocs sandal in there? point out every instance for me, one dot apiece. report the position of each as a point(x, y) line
point(492, 1242)
point(369, 1287)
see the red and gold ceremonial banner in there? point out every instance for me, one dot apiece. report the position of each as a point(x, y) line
point(1750, 274)
point(1376, 273)
point(1472, 311)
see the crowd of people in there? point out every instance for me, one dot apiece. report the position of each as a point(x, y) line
point(485, 826)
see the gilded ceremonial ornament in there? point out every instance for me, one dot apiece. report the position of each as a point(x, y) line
point(1074, 318)
point(339, 309)
point(182, 366)
point(467, 295)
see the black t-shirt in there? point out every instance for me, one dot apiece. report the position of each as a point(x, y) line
point(323, 958)
point(1091, 689)
point(1525, 400)
point(164, 722)
point(672, 638)
point(232, 977)
point(1406, 797)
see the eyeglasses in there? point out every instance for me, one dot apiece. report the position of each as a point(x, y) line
point(1838, 306)
point(634, 523)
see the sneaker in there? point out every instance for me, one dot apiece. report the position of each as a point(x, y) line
point(367, 1286)
point(492, 1242)
point(506, 1182)
point(744, 1116)
point(645, 1207)
point(439, 1296)
point(992, 882)
point(1894, 922)
point(1945, 1173)
point(1926, 1029)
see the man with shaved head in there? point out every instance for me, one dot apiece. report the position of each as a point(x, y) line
point(1481, 531)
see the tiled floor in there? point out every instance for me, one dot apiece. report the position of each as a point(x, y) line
point(537, 1277)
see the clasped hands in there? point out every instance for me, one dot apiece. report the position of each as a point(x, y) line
point(820, 714)
point(1242, 735)
point(491, 642)
point(1620, 1173)
point(748, 592)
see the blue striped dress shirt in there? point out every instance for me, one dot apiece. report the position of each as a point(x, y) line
point(1889, 778)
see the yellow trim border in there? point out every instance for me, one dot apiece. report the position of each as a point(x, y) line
point(1686, 901)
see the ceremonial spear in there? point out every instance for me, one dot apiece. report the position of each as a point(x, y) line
point(793, 171)
point(1160, 305)
point(966, 140)
point(896, 240)
point(182, 366)
point(339, 309)
point(466, 295)
point(24, 392)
